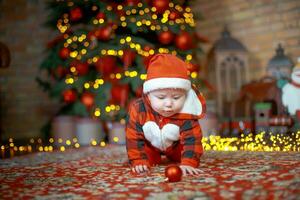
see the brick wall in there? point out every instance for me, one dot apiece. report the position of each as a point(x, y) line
point(24, 107)
point(259, 24)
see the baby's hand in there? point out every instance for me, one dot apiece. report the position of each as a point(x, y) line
point(140, 169)
point(189, 170)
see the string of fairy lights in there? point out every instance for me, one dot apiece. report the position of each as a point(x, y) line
point(268, 142)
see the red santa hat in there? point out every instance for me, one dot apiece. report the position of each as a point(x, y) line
point(166, 71)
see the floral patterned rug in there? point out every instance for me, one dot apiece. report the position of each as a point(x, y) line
point(103, 173)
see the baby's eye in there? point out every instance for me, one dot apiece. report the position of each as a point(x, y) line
point(160, 97)
point(176, 97)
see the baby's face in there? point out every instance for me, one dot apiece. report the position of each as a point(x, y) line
point(167, 102)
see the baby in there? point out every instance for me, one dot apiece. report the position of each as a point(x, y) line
point(165, 120)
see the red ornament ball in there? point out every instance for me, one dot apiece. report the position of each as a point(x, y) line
point(128, 57)
point(75, 14)
point(174, 15)
point(106, 65)
point(193, 67)
point(69, 96)
point(88, 99)
point(166, 37)
point(119, 94)
point(184, 41)
point(173, 173)
point(104, 33)
point(64, 53)
point(161, 5)
point(100, 15)
point(132, 2)
point(82, 68)
point(59, 72)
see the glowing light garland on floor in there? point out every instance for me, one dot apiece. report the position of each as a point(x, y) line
point(252, 142)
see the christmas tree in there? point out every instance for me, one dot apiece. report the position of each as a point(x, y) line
point(96, 64)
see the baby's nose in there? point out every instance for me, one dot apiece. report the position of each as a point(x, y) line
point(168, 103)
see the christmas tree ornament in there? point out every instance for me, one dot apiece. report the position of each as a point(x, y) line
point(132, 2)
point(106, 65)
point(64, 53)
point(81, 68)
point(173, 173)
point(165, 37)
point(193, 67)
point(88, 99)
point(161, 5)
point(104, 33)
point(174, 15)
point(128, 57)
point(100, 15)
point(69, 96)
point(59, 72)
point(75, 14)
point(184, 41)
point(119, 94)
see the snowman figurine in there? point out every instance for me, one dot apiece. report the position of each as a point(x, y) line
point(291, 92)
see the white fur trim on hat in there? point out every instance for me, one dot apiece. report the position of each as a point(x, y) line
point(163, 83)
point(192, 104)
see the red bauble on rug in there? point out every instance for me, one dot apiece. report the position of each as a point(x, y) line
point(173, 173)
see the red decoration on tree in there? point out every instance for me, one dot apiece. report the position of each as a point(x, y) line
point(184, 41)
point(106, 65)
point(161, 5)
point(75, 14)
point(132, 2)
point(104, 33)
point(174, 15)
point(128, 57)
point(81, 68)
point(100, 15)
point(69, 96)
point(119, 94)
point(193, 67)
point(64, 53)
point(166, 37)
point(88, 99)
point(173, 173)
point(59, 72)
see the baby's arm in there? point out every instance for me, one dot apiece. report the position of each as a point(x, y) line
point(135, 141)
point(192, 147)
